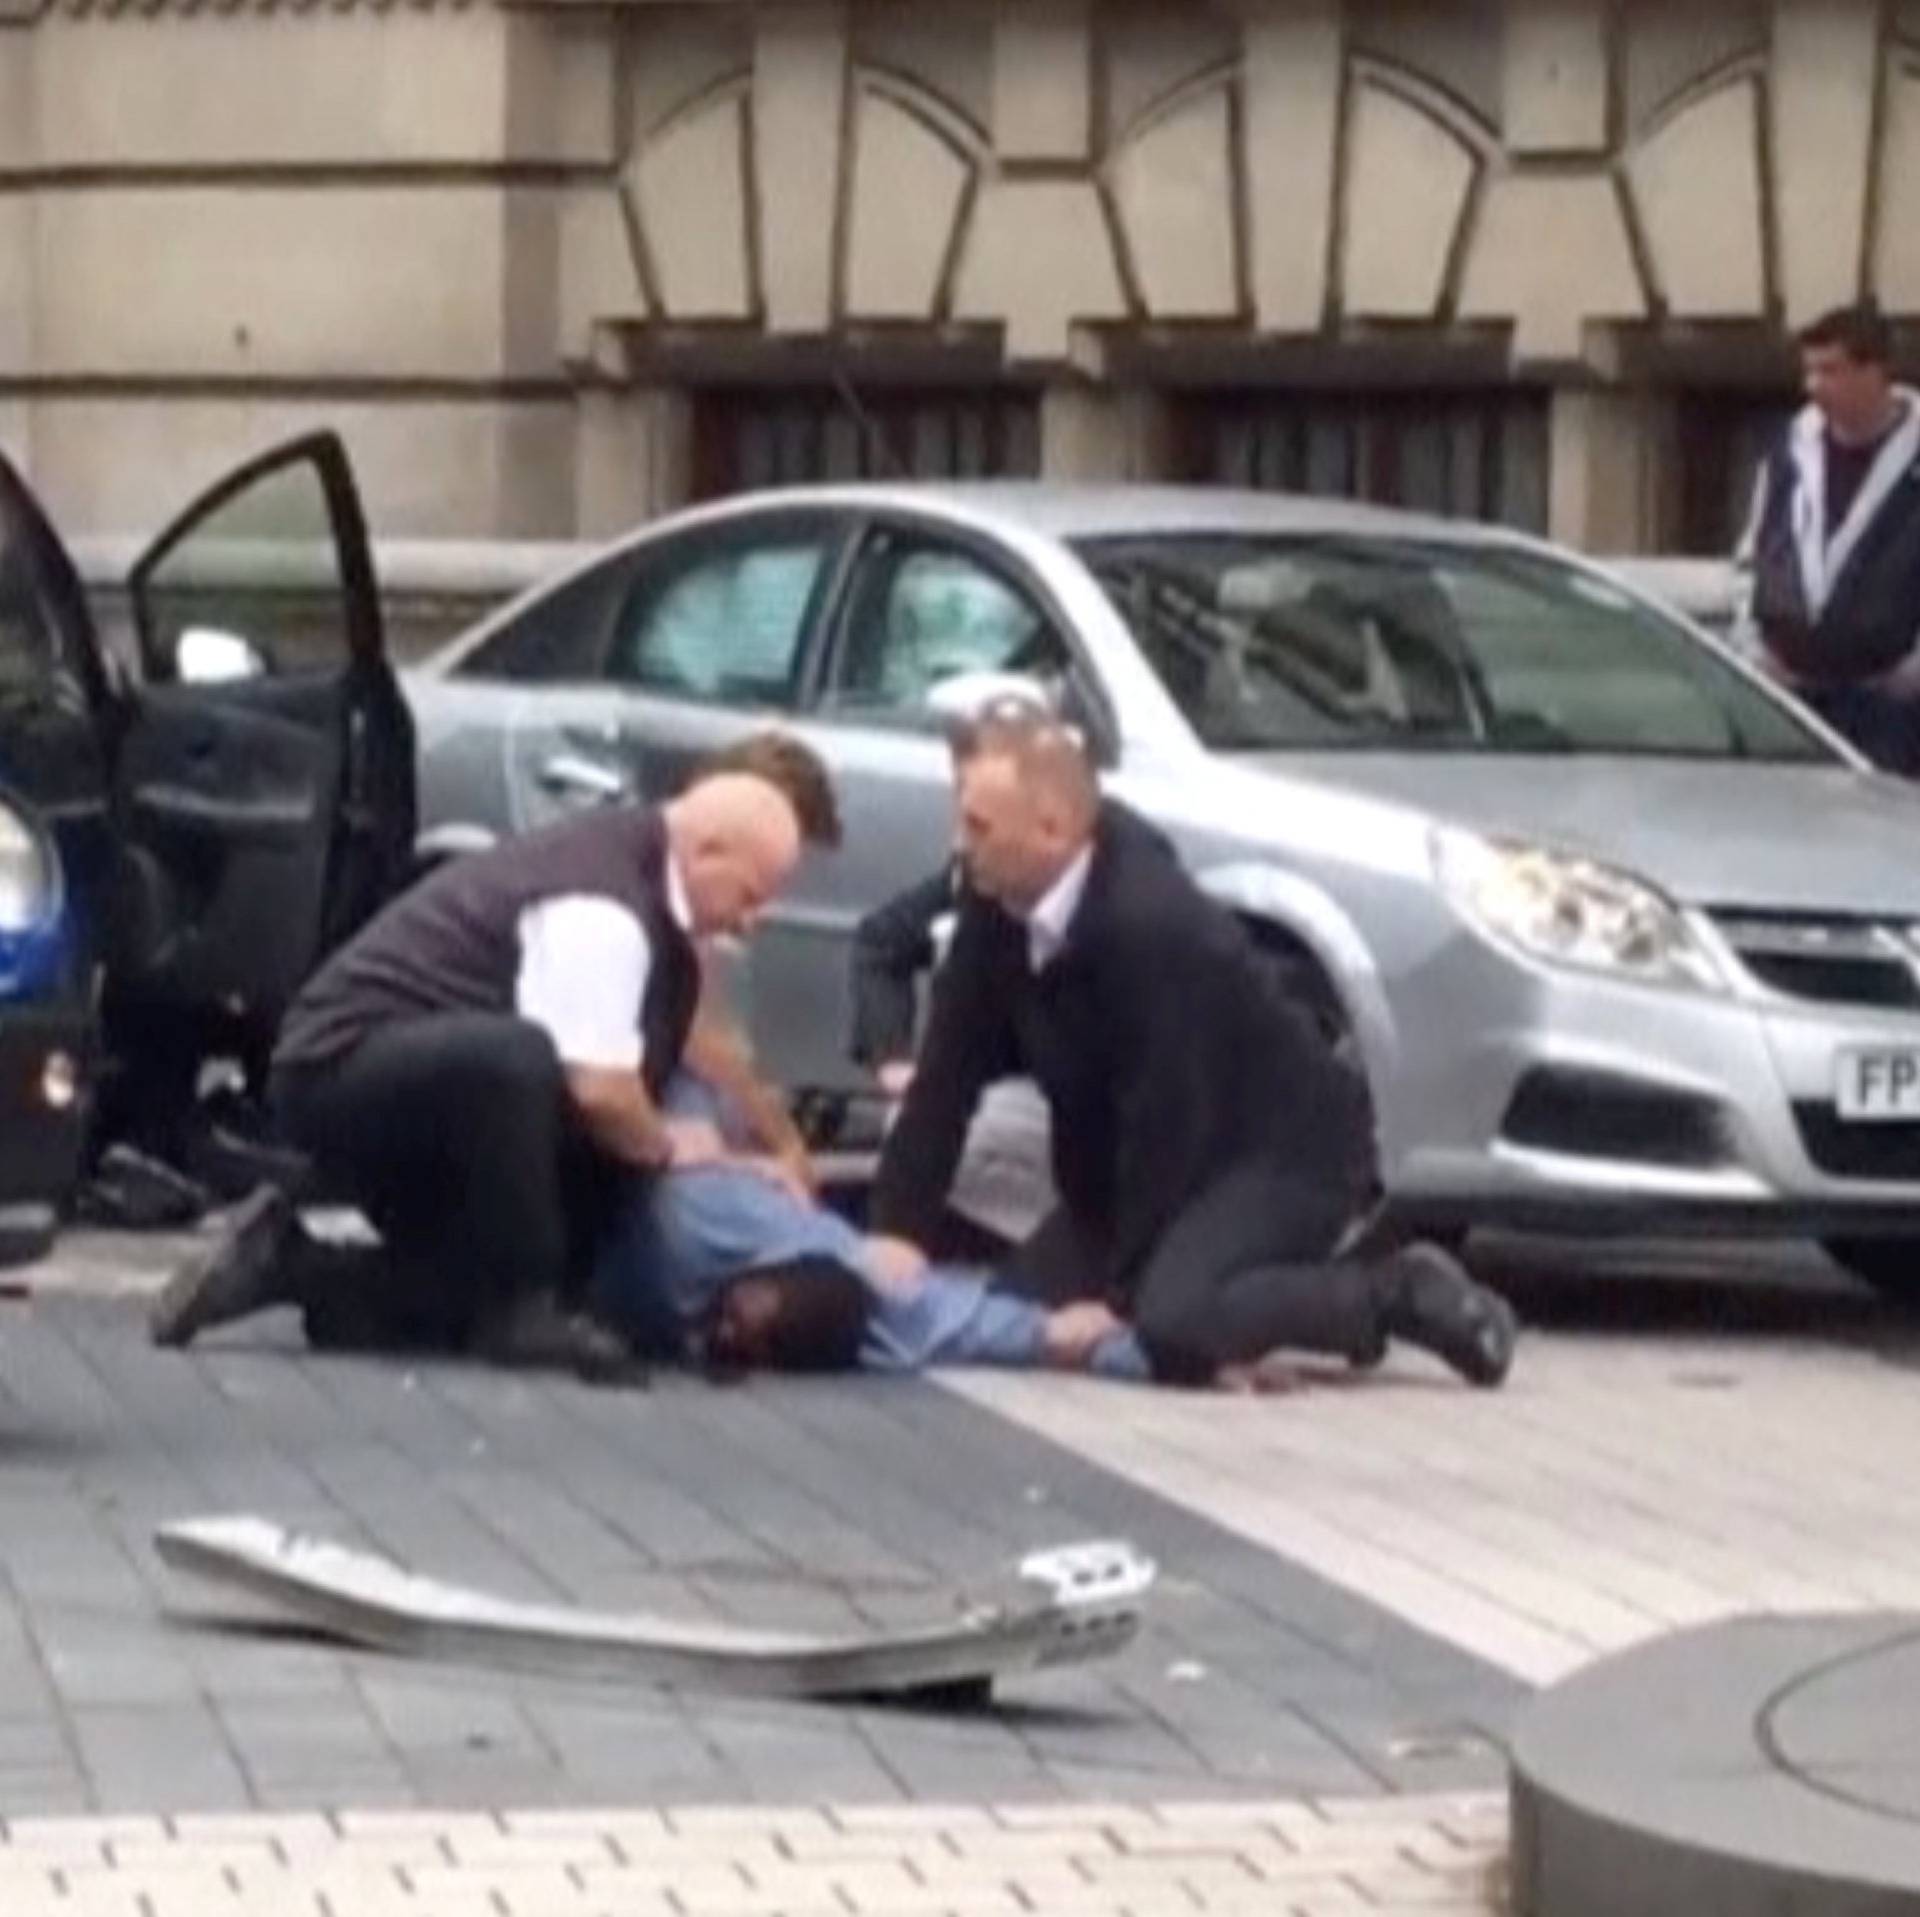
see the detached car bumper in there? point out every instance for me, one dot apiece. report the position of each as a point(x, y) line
point(1568, 1101)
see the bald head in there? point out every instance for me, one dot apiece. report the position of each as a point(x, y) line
point(736, 839)
point(1028, 803)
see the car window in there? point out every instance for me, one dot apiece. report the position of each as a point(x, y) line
point(725, 626)
point(1318, 641)
point(1634, 700)
point(561, 637)
point(923, 613)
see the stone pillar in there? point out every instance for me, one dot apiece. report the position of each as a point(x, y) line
point(1612, 481)
point(1292, 79)
point(635, 448)
point(1102, 433)
point(1825, 75)
point(18, 212)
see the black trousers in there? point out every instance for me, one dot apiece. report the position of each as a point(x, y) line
point(1247, 1267)
point(453, 1134)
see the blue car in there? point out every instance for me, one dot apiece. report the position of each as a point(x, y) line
point(192, 812)
point(45, 1030)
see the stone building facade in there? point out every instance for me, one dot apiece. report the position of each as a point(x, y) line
point(553, 267)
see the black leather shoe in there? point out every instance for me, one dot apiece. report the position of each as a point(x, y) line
point(537, 1334)
point(1434, 1304)
point(243, 1271)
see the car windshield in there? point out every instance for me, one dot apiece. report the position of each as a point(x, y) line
point(1367, 643)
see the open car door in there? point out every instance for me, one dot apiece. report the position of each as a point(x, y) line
point(263, 769)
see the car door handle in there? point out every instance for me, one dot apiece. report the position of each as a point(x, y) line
point(583, 778)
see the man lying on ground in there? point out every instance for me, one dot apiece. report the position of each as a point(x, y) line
point(734, 1265)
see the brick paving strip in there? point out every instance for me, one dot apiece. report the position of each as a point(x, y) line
point(1293, 1858)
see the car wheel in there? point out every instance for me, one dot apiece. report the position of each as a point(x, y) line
point(1890, 1265)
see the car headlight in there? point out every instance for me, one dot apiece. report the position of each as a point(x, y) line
point(1568, 910)
point(26, 879)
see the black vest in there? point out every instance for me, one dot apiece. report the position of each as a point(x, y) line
point(452, 944)
point(1872, 615)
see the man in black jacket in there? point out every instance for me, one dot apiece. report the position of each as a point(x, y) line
point(1209, 1151)
point(1833, 548)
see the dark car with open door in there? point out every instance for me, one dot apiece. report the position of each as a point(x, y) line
point(190, 820)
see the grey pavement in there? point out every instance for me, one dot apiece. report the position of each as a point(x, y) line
point(1362, 1584)
point(812, 1502)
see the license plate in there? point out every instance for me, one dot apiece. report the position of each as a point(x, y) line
point(1879, 1083)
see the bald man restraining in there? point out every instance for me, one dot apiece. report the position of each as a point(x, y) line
point(469, 1066)
point(1209, 1151)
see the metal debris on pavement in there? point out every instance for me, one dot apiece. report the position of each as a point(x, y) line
point(1069, 1605)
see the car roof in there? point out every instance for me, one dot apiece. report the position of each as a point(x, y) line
point(1084, 511)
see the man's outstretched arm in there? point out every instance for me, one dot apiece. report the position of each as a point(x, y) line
point(719, 1052)
point(892, 946)
point(969, 1044)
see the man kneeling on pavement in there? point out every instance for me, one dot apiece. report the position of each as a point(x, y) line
point(480, 1069)
point(1211, 1154)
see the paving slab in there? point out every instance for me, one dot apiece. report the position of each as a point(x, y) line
point(827, 1501)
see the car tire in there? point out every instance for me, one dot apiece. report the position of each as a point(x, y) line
point(1890, 1265)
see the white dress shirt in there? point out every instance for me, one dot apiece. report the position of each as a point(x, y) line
point(1052, 918)
point(584, 965)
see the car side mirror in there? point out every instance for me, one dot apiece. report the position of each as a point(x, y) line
point(206, 656)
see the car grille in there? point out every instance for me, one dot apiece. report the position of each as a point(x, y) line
point(1844, 1150)
point(1838, 961)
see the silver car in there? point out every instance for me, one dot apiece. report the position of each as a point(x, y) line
point(1623, 938)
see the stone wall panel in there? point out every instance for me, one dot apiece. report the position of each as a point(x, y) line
point(1669, 50)
point(1293, 68)
point(1825, 74)
point(1173, 184)
point(19, 100)
point(1043, 80)
point(799, 94)
point(429, 468)
point(285, 282)
point(1696, 183)
point(1556, 78)
point(1150, 52)
point(241, 89)
point(947, 50)
point(1039, 260)
point(1408, 179)
point(672, 57)
point(690, 192)
point(1551, 254)
point(1456, 45)
point(599, 277)
point(909, 183)
point(1896, 264)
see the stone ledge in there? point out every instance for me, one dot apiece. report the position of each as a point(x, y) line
point(1770, 1763)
